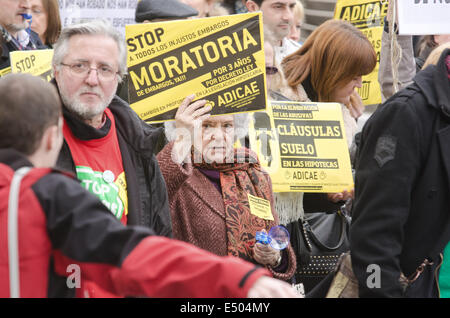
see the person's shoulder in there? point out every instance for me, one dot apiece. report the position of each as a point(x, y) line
point(34, 38)
point(58, 187)
point(55, 179)
point(291, 44)
point(135, 130)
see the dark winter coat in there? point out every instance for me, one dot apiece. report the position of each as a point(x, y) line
point(147, 196)
point(401, 212)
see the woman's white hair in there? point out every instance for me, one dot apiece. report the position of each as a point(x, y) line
point(241, 122)
point(95, 27)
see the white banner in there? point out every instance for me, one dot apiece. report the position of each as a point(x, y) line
point(118, 12)
point(419, 17)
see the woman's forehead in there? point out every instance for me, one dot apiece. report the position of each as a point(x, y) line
point(220, 119)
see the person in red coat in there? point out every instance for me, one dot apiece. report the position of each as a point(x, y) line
point(63, 230)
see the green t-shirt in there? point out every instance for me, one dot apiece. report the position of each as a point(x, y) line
point(444, 274)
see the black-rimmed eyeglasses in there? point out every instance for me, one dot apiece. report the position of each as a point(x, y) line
point(82, 69)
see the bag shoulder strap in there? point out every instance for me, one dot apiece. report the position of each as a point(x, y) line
point(13, 239)
point(13, 231)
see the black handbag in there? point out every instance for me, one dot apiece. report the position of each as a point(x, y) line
point(318, 241)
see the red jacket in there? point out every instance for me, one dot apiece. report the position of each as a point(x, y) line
point(62, 224)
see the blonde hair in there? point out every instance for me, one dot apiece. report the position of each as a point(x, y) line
point(299, 11)
point(332, 55)
point(434, 56)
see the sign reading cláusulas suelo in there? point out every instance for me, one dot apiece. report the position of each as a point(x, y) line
point(302, 146)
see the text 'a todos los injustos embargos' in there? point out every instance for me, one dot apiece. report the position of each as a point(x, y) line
point(187, 60)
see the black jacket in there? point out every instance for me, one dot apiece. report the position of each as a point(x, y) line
point(147, 195)
point(401, 212)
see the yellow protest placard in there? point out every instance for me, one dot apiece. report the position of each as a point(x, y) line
point(302, 146)
point(368, 17)
point(5, 71)
point(220, 59)
point(35, 62)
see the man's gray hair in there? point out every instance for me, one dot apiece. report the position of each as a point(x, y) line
point(95, 27)
point(241, 122)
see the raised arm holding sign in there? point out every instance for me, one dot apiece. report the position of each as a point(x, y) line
point(218, 59)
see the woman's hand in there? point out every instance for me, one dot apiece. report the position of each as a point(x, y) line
point(265, 254)
point(356, 106)
point(188, 123)
point(341, 196)
point(266, 287)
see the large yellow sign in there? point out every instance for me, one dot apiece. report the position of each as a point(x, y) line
point(302, 146)
point(367, 16)
point(35, 62)
point(219, 59)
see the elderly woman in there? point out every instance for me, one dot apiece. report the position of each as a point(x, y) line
point(209, 184)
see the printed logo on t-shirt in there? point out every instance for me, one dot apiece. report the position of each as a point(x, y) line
point(102, 184)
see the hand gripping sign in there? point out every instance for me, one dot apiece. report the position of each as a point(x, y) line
point(220, 59)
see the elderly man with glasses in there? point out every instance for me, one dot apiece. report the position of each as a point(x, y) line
point(106, 144)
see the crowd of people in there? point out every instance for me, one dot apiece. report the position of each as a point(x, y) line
point(164, 210)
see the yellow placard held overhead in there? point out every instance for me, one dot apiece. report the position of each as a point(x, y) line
point(302, 146)
point(368, 17)
point(220, 59)
point(35, 62)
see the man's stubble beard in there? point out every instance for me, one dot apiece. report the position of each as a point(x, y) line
point(81, 109)
point(16, 27)
point(278, 33)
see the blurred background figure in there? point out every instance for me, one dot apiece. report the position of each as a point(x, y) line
point(235, 6)
point(278, 16)
point(407, 53)
point(162, 10)
point(277, 86)
point(46, 21)
point(207, 8)
point(299, 17)
point(427, 44)
point(328, 68)
point(14, 30)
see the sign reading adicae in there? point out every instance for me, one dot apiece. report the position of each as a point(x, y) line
point(417, 17)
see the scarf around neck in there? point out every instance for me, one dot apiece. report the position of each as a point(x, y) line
point(237, 180)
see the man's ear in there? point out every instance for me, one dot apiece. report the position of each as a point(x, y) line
point(251, 6)
point(55, 72)
point(50, 138)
